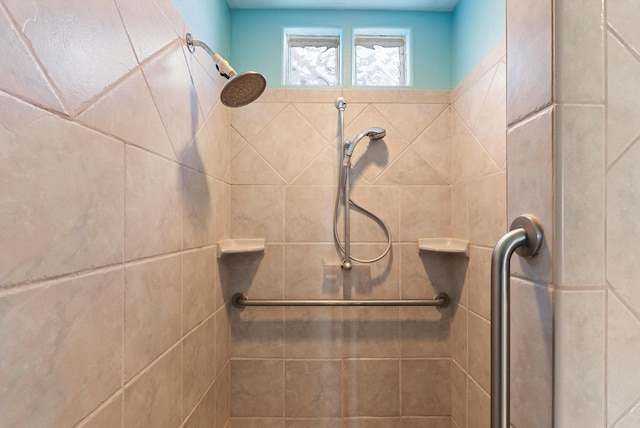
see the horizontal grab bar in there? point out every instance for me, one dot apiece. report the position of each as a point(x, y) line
point(442, 300)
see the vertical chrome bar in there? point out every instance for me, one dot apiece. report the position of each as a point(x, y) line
point(500, 299)
point(341, 105)
point(526, 231)
point(346, 264)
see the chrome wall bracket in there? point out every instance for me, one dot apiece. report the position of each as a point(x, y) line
point(533, 229)
point(525, 237)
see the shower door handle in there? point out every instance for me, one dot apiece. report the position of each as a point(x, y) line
point(525, 237)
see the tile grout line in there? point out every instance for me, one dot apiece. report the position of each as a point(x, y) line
point(27, 43)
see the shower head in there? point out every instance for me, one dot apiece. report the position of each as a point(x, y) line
point(372, 133)
point(377, 133)
point(241, 89)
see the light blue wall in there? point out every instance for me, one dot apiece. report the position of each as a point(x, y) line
point(478, 25)
point(257, 40)
point(446, 46)
point(208, 21)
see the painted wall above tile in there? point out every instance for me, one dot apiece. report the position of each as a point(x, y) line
point(410, 5)
point(449, 36)
point(257, 40)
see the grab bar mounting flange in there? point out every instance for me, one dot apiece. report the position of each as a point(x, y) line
point(533, 229)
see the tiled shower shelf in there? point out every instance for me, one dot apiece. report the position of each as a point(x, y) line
point(240, 246)
point(444, 245)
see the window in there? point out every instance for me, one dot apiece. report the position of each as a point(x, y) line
point(380, 57)
point(380, 60)
point(312, 60)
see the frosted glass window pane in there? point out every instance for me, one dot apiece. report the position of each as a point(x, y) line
point(313, 62)
point(380, 61)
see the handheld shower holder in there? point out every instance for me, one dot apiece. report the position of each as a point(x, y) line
point(343, 193)
point(341, 104)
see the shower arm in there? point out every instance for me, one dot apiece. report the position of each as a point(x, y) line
point(222, 65)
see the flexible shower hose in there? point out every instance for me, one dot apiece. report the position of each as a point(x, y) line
point(340, 192)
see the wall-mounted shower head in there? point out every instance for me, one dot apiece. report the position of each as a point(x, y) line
point(372, 133)
point(241, 89)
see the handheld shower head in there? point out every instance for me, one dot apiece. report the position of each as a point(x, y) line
point(372, 133)
point(241, 89)
point(377, 134)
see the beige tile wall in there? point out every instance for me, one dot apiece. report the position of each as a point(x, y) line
point(113, 155)
point(530, 189)
point(623, 303)
point(148, 212)
point(440, 171)
point(577, 160)
point(478, 162)
point(366, 367)
point(597, 138)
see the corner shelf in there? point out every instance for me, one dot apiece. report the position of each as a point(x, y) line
point(444, 245)
point(240, 246)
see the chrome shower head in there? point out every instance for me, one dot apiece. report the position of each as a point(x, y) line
point(377, 134)
point(241, 89)
point(372, 133)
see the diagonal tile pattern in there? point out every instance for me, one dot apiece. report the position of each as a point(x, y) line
point(275, 130)
point(370, 159)
point(482, 109)
point(488, 126)
point(477, 135)
point(322, 116)
point(622, 206)
point(147, 26)
point(21, 75)
point(623, 230)
point(623, 352)
point(253, 118)
point(112, 192)
point(473, 162)
point(623, 118)
point(631, 419)
point(401, 172)
point(84, 58)
point(623, 17)
point(434, 145)
point(407, 180)
point(129, 101)
point(323, 170)
point(289, 143)
point(248, 167)
point(174, 94)
point(81, 166)
point(411, 119)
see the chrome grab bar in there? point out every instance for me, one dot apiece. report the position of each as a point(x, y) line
point(239, 300)
point(525, 237)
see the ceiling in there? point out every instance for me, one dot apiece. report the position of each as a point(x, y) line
point(410, 5)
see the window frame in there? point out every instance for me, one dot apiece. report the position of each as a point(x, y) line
point(311, 33)
point(382, 33)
